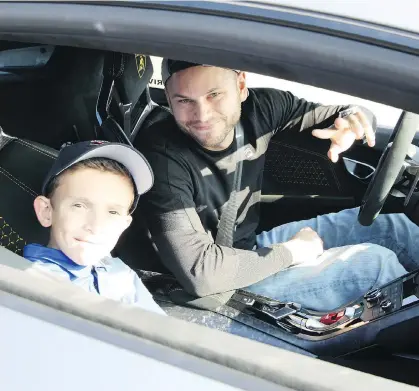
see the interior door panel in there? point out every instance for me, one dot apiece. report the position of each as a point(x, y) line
point(300, 182)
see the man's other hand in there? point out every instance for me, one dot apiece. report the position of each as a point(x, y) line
point(305, 246)
point(345, 131)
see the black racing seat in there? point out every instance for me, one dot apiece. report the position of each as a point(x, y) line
point(135, 246)
point(124, 107)
point(143, 136)
point(23, 166)
point(59, 102)
point(122, 103)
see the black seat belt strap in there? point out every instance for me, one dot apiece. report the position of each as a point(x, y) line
point(227, 225)
point(126, 113)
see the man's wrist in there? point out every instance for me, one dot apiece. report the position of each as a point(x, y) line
point(294, 248)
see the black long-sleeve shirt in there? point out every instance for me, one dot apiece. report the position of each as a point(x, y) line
point(192, 185)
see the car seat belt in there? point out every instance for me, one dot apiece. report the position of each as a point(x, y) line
point(113, 70)
point(225, 236)
point(227, 225)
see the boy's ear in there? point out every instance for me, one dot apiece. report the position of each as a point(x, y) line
point(43, 210)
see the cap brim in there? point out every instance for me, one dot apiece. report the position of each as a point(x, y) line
point(133, 160)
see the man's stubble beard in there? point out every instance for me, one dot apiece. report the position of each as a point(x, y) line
point(223, 135)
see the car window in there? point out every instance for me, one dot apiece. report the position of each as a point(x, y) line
point(387, 116)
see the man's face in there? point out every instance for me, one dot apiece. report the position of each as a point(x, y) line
point(206, 103)
point(87, 213)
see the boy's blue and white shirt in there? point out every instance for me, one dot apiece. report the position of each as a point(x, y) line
point(111, 278)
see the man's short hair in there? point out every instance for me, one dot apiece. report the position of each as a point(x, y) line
point(169, 67)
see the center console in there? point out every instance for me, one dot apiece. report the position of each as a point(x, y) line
point(385, 316)
point(374, 305)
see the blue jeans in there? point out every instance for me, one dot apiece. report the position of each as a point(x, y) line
point(356, 259)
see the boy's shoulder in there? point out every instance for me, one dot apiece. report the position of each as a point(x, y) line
point(115, 265)
point(42, 258)
point(117, 280)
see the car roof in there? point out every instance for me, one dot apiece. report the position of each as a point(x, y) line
point(400, 14)
point(313, 49)
point(393, 25)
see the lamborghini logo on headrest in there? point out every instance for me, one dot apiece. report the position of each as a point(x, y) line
point(140, 60)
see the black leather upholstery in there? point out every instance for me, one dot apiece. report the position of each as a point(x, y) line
point(136, 248)
point(144, 135)
point(59, 106)
point(124, 87)
point(125, 78)
point(23, 166)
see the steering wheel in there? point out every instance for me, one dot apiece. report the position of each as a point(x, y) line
point(389, 167)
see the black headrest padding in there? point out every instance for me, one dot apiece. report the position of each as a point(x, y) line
point(130, 72)
point(135, 77)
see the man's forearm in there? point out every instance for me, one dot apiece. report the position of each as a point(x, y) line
point(204, 268)
point(305, 115)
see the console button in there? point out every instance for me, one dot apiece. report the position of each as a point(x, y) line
point(386, 304)
point(373, 296)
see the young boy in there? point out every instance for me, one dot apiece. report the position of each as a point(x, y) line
point(88, 198)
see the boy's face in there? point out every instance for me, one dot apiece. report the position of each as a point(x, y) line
point(87, 213)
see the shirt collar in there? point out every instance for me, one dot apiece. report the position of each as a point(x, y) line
point(36, 252)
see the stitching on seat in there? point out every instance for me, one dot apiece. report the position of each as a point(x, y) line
point(35, 148)
point(9, 238)
point(17, 182)
point(38, 149)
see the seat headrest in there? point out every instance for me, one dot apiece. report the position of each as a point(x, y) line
point(131, 74)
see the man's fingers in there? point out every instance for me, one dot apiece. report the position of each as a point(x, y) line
point(346, 131)
point(334, 152)
point(334, 157)
point(356, 126)
point(368, 130)
point(359, 124)
point(324, 134)
point(350, 123)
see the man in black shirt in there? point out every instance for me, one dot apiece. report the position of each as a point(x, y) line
point(193, 155)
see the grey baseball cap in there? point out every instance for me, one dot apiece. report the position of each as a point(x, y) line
point(170, 67)
point(129, 157)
